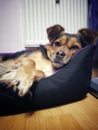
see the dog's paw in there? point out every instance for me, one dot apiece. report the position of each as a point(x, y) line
point(9, 79)
point(24, 86)
point(21, 93)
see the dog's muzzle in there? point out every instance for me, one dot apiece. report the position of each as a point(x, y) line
point(59, 57)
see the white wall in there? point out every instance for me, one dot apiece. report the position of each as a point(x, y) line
point(40, 14)
point(10, 26)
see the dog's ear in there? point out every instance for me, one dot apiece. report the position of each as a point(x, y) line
point(88, 36)
point(54, 32)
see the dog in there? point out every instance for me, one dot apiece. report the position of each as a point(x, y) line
point(24, 68)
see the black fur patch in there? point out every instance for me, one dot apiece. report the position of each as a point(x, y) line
point(44, 51)
point(15, 55)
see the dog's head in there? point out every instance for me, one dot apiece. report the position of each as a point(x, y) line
point(63, 45)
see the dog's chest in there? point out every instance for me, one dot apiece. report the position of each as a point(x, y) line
point(42, 63)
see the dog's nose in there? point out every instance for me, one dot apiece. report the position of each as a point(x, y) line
point(60, 54)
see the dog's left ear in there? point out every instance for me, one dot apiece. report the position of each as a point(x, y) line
point(54, 32)
point(88, 36)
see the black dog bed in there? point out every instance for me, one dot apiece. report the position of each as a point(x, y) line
point(68, 84)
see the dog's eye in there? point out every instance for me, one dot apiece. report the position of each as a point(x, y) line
point(57, 44)
point(73, 47)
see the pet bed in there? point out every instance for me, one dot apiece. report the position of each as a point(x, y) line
point(68, 84)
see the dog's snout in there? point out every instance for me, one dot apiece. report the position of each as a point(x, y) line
point(60, 54)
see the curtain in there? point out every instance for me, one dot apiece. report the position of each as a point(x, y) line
point(93, 23)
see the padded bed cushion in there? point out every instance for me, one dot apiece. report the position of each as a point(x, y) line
point(68, 84)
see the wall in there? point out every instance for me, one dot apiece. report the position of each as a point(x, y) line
point(10, 26)
point(40, 14)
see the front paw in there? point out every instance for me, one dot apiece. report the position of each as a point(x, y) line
point(10, 84)
point(22, 94)
point(24, 87)
point(9, 80)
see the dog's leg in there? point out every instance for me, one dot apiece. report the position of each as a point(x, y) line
point(39, 75)
point(23, 76)
point(28, 81)
point(25, 85)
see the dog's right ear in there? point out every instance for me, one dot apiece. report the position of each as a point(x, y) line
point(88, 36)
point(54, 32)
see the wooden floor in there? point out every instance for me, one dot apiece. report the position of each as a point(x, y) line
point(81, 115)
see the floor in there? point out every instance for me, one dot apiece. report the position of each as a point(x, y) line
point(81, 115)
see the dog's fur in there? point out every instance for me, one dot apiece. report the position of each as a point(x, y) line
point(24, 68)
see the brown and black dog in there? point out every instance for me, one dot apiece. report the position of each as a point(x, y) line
point(64, 44)
point(24, 68)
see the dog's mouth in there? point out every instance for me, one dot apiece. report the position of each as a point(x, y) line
point(59, 62)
